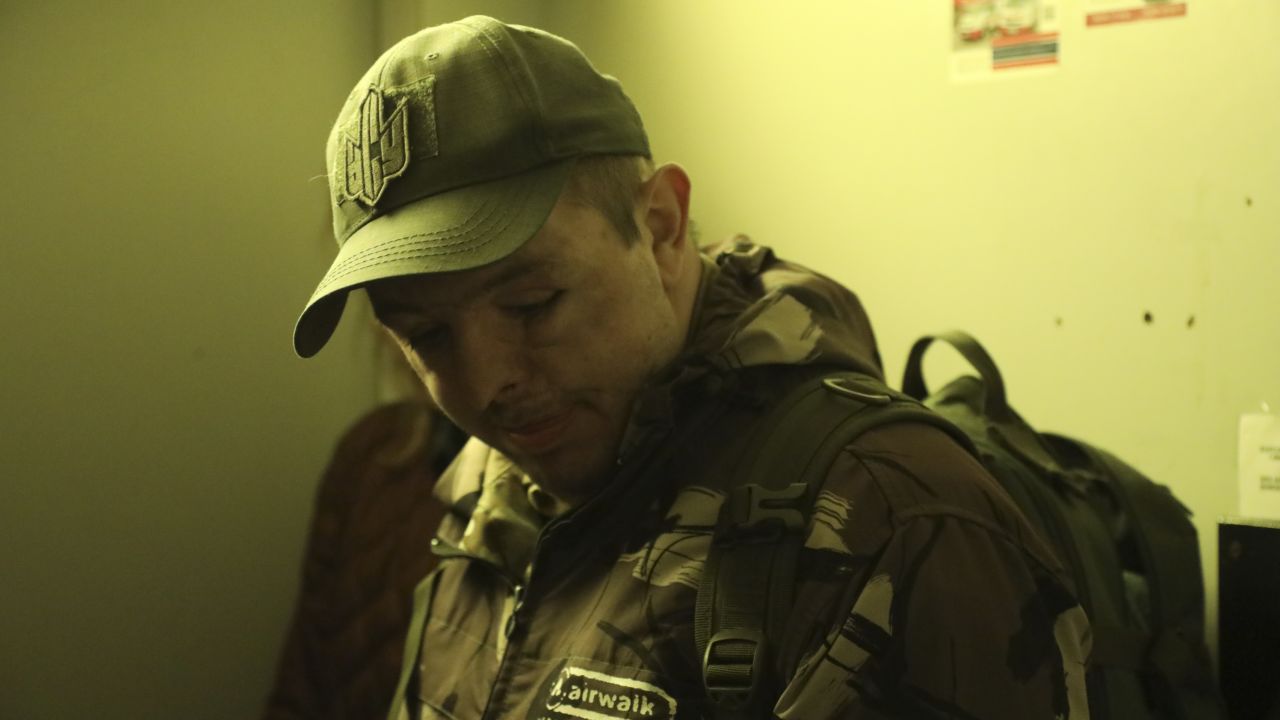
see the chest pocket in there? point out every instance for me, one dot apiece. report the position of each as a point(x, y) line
point(451, 658)
point(455, 672)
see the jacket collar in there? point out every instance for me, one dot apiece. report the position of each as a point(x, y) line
point(752, 310)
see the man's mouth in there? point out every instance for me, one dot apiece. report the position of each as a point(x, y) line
point(540, 435)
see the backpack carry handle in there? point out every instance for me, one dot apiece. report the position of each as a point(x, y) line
point(995, 406)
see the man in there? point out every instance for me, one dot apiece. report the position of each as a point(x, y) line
point(493, 195)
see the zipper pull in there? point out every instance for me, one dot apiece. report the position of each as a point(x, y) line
point(442, 549)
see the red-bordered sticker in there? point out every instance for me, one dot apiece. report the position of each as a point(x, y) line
point(1154, 10)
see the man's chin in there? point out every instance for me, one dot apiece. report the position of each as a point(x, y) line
point(568, 481)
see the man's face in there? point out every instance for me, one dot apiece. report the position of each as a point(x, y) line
point(541, 354)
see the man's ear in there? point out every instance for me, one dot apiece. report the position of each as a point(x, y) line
point(665, 215)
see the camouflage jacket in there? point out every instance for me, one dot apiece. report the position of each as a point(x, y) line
point(921, 590)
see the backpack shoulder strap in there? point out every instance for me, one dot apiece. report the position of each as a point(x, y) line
point(749, 575)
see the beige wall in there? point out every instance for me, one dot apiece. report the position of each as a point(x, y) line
point(162, 225)
point(1142, 176)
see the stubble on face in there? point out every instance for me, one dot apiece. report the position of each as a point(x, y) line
point(574, 374)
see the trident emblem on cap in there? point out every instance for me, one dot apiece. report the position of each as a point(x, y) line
point(375, 150)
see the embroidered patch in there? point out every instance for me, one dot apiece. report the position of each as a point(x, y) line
point(375, 149)
point(578, 692)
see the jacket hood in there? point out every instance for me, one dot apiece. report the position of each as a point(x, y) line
point(758, 310)
point(753, 310)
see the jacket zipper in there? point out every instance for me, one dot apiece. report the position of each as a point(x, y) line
point(519, 593)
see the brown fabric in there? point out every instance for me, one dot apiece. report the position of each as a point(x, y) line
point(369, 545)
point(923, 592)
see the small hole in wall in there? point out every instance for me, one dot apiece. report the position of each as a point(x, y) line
point(1148, 318)
point(1191, 321)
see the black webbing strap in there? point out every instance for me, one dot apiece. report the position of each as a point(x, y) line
point(995, 405)
point(749, 575)
point(746, 584)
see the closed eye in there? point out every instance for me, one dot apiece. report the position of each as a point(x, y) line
point(537, 308)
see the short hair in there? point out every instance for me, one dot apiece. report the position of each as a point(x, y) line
point(611, 185)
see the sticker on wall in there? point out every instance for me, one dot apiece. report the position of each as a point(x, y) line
point(1000, 37)
point(1259, 466)
point(1110, 12)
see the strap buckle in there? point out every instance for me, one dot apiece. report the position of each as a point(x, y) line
point(755, 508)
point(733, 671)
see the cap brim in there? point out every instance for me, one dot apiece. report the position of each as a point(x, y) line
point(454, 230)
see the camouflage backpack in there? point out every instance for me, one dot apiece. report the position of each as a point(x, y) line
point(1128, 543)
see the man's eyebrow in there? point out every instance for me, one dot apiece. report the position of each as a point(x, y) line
point(387, 309)
point(386, 312)
point(518, 268)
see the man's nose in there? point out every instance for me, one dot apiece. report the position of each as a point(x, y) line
point(495, 363)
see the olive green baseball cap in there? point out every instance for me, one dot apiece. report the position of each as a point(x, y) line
point(451, 151)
